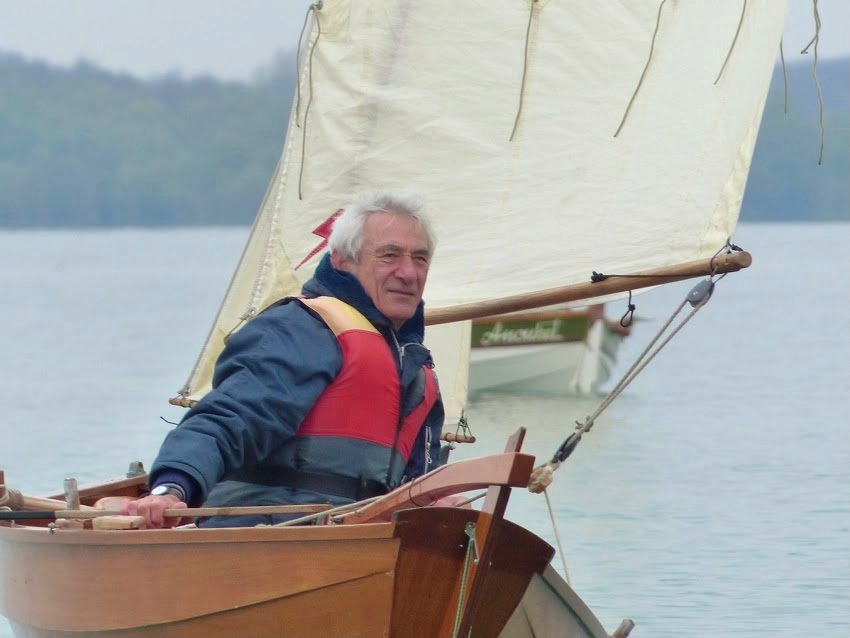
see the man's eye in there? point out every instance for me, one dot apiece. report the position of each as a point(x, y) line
point(389, 257)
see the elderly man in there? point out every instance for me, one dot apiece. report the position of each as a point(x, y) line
point(327, 398)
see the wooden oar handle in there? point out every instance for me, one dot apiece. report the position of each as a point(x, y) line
point(190, 512)
point(453, 437)
point(18, 501)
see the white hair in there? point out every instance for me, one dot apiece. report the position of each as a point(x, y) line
point(347, 233)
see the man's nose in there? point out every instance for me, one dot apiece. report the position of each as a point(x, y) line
point(406, 267)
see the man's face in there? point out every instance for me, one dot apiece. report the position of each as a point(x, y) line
point(393, 264)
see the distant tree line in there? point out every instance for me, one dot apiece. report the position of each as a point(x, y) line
point(786, 182)
point(83, 147)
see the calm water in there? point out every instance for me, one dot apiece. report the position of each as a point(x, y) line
point(712, 499)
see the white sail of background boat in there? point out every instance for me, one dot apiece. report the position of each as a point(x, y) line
point(552, 140)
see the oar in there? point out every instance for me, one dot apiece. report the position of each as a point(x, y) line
point(19, 501)
point(190, 512)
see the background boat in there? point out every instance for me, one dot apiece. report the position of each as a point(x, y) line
point(555, 351)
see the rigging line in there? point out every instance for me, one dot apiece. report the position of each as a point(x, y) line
point(645, 69)
point(734, 40)
point(557, 536)
point(627, 319)
point(598, 276)
point(814, 41)
point(340, 512)
point(470, 532)
point(631, 373)
point(315, 9)
point(298, 66)
point(524, 71)
point(784, 75)
point(629, 378)
point(542, 476)
point(634, 370)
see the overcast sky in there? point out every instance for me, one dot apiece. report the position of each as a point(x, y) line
point(232, 38)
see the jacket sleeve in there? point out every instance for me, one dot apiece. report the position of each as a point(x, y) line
point(266, 381)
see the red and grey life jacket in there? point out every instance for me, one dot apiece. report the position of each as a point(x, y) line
point(355, 436)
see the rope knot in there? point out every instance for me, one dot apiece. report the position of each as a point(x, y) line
point(542, 476)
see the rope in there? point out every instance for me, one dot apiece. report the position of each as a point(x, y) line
point(524, 70)
point(315, 7)
point(815, 39)
point(734, 40)
point(557, 537)
point(298, 66)
point(784, 76)
point(470, 532)
point(333, 510)
point(627, 318)
point(542, 476)
point(645, 68)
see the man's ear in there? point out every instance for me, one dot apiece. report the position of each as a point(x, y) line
point(338, 261)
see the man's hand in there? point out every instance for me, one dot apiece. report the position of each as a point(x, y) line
point(152, 508)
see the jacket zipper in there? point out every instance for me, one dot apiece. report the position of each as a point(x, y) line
point(400, 350)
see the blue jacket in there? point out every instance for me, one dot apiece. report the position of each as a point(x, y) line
point(266, 380)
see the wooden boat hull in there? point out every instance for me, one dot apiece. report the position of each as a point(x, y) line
point(398, 567)
point(197, 582)
point(399, 579)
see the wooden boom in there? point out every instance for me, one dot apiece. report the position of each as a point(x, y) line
point(729, 262)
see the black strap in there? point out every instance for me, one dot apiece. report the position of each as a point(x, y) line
point(321, 482)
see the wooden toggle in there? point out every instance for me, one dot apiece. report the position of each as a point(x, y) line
point(453, 437)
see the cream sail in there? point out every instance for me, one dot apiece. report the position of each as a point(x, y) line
point(551, 139)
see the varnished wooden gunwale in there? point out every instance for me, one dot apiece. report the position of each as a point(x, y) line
point(26, 534)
